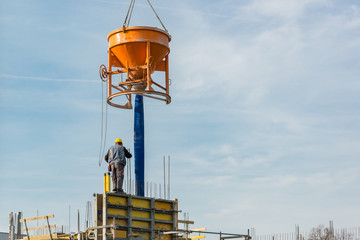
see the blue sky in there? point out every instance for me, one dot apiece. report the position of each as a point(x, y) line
point(263, 128)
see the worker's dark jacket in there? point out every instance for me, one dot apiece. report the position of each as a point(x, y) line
point(117, 154)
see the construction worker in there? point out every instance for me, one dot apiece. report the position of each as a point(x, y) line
point(117, 161)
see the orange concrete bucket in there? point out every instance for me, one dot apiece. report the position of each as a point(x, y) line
point(138, 52)
point(129, 47)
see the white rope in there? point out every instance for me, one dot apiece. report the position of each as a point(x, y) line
point(102, 123)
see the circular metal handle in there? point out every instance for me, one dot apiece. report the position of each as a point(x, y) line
point(103, 73)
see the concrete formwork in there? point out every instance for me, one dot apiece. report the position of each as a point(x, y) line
point(129, 216)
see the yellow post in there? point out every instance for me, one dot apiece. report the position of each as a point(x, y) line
point(108, 182)
point(105, 182)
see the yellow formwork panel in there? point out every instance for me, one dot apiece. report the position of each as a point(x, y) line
point(140, 214)
point(143, 203)
point(163, 226)
point(121, 222)
point(140, 224)
point(140, 235)
point(115, 211)
point(117, 200)
point(120, 234)
point(163, 205)
point(161, 216)
point(165, 237)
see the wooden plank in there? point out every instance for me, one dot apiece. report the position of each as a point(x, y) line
point(183, 221)
point(18, 234)
point(11, 226)
point(39, 237)
point(36, 218)
point(37, 228)
point(197, 229)
point(197, 237)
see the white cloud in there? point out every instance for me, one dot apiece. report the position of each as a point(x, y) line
point(258, 160)
point(288, 9)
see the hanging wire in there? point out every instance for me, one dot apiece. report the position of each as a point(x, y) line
point(106, 121)
point(102, 120)
point(103, 128)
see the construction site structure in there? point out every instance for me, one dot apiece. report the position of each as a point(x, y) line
point(134, 55)
point(127, 217)
point(133, 217)
point(119, 216)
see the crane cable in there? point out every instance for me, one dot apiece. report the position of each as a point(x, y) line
point(157, 15)
point(132, 8)
point(127, 18)
point(129, 14)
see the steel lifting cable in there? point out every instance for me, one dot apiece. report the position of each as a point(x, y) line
point(131, 6)
point(157, 15)
point(130, 10)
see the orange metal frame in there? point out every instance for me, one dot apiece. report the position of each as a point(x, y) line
point(137, 52)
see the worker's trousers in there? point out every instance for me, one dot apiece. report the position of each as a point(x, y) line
point(117, 172)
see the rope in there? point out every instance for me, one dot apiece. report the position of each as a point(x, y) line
point(102, 124)
point(103, 128)
point(157, 15)
point(106, 121)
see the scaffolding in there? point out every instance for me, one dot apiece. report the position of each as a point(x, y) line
point(119, 216)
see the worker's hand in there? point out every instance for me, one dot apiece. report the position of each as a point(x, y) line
point(122, 172)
